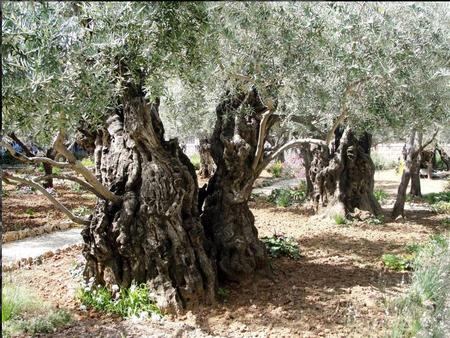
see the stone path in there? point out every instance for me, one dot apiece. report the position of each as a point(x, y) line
point(36, 246)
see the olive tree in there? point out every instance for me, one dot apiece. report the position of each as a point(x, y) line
point(107, 63)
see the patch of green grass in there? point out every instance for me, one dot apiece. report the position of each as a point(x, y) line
point(279, 245)
point(14, 301)
point(87, 162)
point(26, 314)
point(276, 169)
point(380, 195)
point(195, 160)
point(423, 311)
point(339, 219)
point(125, 302)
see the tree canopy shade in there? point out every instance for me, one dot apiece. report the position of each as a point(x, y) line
point(60, 60)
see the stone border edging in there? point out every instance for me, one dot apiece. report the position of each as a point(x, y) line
point(30, 261)
point(11, 236)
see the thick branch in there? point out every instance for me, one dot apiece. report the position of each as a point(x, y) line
point(8, 178)
point(26, 150)
point(83, 171)
point(261, 137)
point(289, 145)
point(425, 144)
point(344, 110)
point(87, 186)
point(33, 160)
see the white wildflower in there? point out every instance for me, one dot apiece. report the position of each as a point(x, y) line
point(156, 317)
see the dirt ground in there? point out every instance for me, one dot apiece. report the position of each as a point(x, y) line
point(339, 288)
point(27, 211)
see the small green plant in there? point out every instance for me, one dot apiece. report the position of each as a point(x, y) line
point(82, 211)
point(40, 168)
point(280, 245)
point(87, 162)
point(380, 195)
point(45, 323)
point(409, 198)
point(396, 262)
point(413, 248)
point(223, 294)
point(437, 197)
point(406, 261)
point(56, 171)
point(76, 187)
point(14, 301)
point(441, 207)
point(276, 169)
point(446, 223)
point(29, 212)
point(23, 313)
point(339, 219)
point(195, 160)
point(286, 197)
point(376, 220)
point(283, 199)
point(124, 302)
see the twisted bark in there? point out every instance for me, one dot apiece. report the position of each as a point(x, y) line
point(154, 236)
point(307, 158)
point(206, 161)
point(343, 178)
point(226, 217)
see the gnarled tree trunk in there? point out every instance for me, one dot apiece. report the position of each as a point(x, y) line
point(307, 158)
point(444, 157)
point(227, 218)
point(409, 156)
point(206, 161)
point(343, 178)
point(50, 153)
point(154, 236)
point(415, 170)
